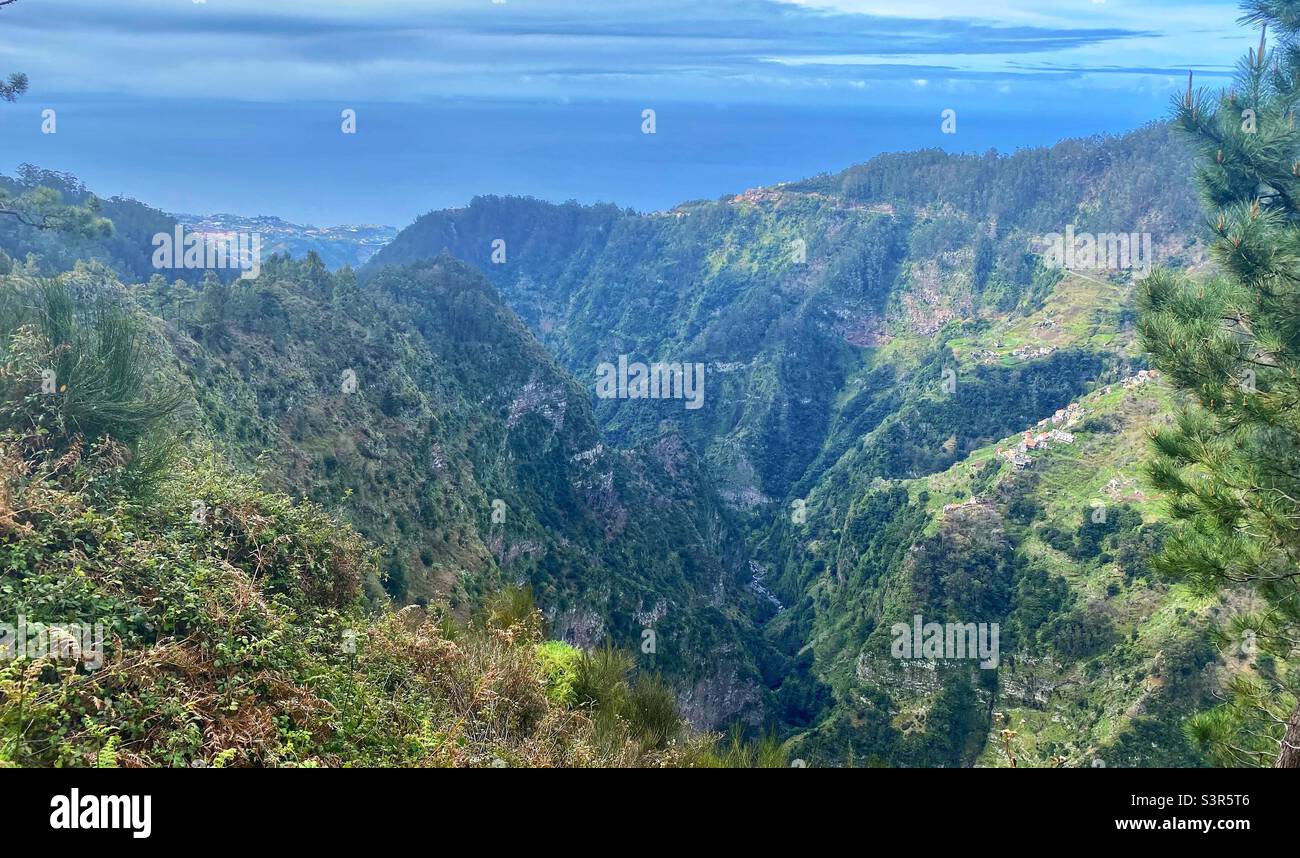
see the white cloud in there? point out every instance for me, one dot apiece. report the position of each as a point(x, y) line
point(413, 49)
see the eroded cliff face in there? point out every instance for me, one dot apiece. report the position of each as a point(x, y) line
point(583, 628)
point(723, 697)
point(861, 454)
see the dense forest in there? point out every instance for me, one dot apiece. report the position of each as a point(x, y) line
point(385, 516)
point(873, 338)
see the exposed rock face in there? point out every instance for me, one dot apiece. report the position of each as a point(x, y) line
point(721, 698)
point(602, 499)
point(549, 401)
point(747, 498)
point(513, 551)
point(1030, 681)
point(579, 627)
point(905, 678)
point(672, 455)
point(656, 613)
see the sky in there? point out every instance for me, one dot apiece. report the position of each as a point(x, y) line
point(237, 105)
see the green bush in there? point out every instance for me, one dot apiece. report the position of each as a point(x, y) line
point(652, 711)
point(559, 663)
point(601, 681)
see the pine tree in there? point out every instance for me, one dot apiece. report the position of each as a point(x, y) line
point(16, 85)
point(103, 380)
point(1230, 344)
point(213, 308)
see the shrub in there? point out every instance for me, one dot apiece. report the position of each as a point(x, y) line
point(104, 384)
point(652, 711)
point(601, 681)
point(512, 606)
point(559, 663)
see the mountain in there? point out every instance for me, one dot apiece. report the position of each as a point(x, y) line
point(786, 292)
point(337, 246)
point(871, 338)
point(423, 410)
point(907, 410)
point(171, 612)
point(128, 248)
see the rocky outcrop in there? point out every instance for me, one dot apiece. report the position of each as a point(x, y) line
point(722, 698)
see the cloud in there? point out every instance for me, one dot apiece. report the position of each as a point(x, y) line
point(671, 49)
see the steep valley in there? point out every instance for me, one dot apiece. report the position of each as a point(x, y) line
point(906, 412)
point(871, 339)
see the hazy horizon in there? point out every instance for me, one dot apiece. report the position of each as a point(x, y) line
point(716, 166)
point(233, 107)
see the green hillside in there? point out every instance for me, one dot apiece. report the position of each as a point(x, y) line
point(876, 344)
point(871, 339)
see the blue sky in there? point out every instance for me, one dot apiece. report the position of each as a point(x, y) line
point(234, 104)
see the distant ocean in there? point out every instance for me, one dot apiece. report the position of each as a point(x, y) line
point(406, 159)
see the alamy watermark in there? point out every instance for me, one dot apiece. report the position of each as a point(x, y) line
point(132, 813)
point(1105, 251)
point(636, 380)
point(240, 251)
point(936, 641)
point(71, 642)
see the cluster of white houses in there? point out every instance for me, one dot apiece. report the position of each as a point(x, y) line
point(1031, 441)
point(1067, 416)
point(1052, 430)
point(1143, 376)
point(1028, 352)
point(1055, 430)
point(991, 356)
point(972, 501)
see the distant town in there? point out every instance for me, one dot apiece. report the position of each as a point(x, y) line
point(337, 246)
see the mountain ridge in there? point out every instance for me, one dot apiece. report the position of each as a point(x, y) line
point(871, 339)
